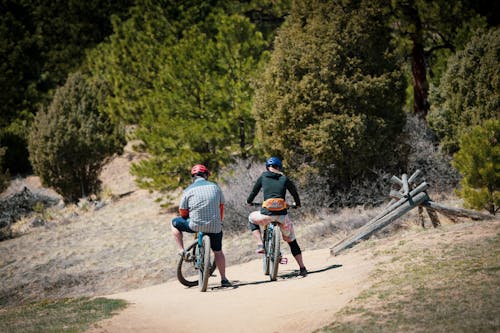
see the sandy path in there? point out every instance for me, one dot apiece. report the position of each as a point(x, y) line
point(290, 304)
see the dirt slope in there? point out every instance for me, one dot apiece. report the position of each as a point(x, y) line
point(254, 304)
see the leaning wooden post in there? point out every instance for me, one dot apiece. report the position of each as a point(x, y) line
point(414, 176)
point(422, 187)
point(406, 186)
point(421, 220)
point(384, 221)
point(434, 217)
point(402, 201)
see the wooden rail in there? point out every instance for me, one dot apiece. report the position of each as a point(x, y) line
point(408, 196)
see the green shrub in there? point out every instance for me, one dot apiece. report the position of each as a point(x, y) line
point(478, 160)
point(71, 140)
point(330, 102)
point(469, 91)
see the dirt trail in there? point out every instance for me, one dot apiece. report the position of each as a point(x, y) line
point(254, 304)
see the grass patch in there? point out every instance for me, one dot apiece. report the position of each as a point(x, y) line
point(64, 315)
point(441, 289)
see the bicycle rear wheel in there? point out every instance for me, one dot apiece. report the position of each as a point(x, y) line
point(275, 254)
point(205, 263)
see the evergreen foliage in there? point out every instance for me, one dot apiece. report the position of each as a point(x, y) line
point(469, 91)
point(478, 160)
point(330, 102)
point(427, 33)
point(130, 60)
point(200, 108)
point(40, 43)
point(190, 93)
point(71, 140)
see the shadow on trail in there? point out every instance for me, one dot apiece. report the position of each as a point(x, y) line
point(294, 274)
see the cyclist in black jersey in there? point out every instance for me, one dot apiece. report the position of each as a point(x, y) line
point(274, 185)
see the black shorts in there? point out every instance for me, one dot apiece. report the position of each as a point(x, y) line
point(215, 239)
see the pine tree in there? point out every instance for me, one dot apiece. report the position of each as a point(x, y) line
point(200, 108)
point(185, 82)
point(71, 140)
point(469, 91)
point(41, 42)
point(428, 32)
point(331, 98)
point(478, 160)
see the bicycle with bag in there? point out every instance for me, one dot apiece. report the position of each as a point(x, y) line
point(271, 238)
point(197, 264)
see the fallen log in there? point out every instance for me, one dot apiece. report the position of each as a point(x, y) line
point(445, 210)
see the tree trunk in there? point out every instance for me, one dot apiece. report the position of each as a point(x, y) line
point(411, 15)
point(242, 138)
point(420, 90)
point(420, 86)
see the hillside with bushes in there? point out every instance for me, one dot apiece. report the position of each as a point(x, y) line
point(106, 107)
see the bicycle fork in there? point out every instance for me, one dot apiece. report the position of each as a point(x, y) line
point(199, 258)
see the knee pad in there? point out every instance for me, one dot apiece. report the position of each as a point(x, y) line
point(294, 247)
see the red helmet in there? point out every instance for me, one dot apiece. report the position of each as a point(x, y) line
point(199, 168)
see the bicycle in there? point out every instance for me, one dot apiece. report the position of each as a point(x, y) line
point(271, 238)
point(197, 262)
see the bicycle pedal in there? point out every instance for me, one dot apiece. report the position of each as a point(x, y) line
point(284, 261)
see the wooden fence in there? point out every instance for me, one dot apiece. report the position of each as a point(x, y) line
point(407, 193)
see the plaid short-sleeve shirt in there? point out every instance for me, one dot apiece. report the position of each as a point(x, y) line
point(203, 198)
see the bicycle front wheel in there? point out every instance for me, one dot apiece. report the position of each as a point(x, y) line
point(205, 263)
point(275, 254)
point(265, 257)
point(186, 271)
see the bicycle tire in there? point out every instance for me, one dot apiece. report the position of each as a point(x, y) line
point(204, 270)
point(275, 257)
point(186, 271)
point(265, 257)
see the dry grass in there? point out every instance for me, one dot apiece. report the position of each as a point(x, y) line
point(437, 282)
point(64, 315)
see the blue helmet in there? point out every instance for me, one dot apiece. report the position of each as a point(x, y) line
point(275, 162)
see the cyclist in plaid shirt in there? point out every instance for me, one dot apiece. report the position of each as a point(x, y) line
point(202, 209)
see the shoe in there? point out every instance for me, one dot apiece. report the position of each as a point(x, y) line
point(303, 271)
point(260, 249)
point(225, 283)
